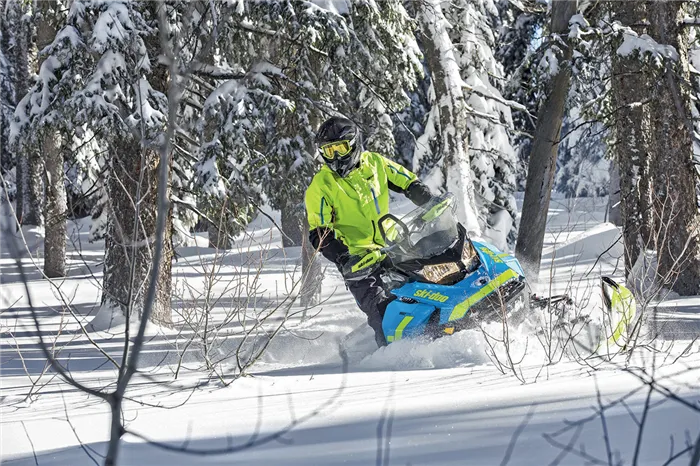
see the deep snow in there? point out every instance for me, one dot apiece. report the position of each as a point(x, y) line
point(414, 402)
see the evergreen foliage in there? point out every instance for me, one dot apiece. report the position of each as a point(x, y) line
point(492, 158)
point(303, 63)
point(518, 51)
point(582, 167)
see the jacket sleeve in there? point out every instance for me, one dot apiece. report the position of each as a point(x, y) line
point(398, 175)
point(405, 182)
point(321, 235)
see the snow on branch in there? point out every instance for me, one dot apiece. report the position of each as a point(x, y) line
point(643, 44)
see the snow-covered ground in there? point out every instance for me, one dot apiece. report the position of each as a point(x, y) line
point(412, 403)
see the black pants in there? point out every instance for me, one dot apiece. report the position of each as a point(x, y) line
point(373, 300)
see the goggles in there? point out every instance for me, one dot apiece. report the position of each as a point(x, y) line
point(339, 148)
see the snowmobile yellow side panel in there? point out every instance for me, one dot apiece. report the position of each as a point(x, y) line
point(399, 330)
point(461, 309)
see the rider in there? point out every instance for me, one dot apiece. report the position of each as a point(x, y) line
point(344, 203)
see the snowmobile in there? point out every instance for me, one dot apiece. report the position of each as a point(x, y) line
point(443, 280)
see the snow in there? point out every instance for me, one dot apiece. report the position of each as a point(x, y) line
point(643, 44)
point(339, 7)
point(112, 26)
point(70, 33)
point(578, 24)
point(458, 176)
point(549, 63)
point(415, 402)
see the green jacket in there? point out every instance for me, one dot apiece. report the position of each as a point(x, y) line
point(351, 207)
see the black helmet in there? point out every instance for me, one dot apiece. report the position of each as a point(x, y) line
point(340, 144)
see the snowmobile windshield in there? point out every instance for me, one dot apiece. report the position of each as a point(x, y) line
point(423, 233)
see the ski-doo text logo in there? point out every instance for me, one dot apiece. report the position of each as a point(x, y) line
point(441, 298)
point(491, 254)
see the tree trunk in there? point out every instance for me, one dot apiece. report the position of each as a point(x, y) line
point(630, 90)
point(55, 205)
point(28, 163)
point(18, 56)
point(312, 271)
point(675, 209)
point(229, 218)
point(219, 230)
point(55, 208)
point(543, 158)
point(451, 121)
point(130, 234)
point(293, 224)
point(34, 186)
point(614, 212)
point(7, 97)
point(133, 207)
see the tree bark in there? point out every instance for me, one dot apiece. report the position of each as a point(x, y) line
point(18, 56)
point(219, 231)
point(292, 219)
point(453, 138)
point(55, 204)
point(675, 210)
point(229, 218)
point(543, 158)
point(133, 204)
point(54, 208)
point(614, 212)
point(34, 187)
point(312, 271)
point(630, 91)
point(7, 97)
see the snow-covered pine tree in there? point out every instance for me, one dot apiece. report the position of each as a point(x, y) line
point(21, 54)
point(126, 36)
point(582, 167)
point(542, 162)
point(43, 125)
point(382, 63)
point(231, 127)
point(101, 67)
point(522, 25)
point(409, 124)
point(52, 149)
point(694, 59)
point(446, 134)
point(630, 93)
point(303, 62)
point(492, 158)
point(654, 140)
point(232, 95)
point(674, 184)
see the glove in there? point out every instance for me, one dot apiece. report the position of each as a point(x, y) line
point(368, 261)
point(356, 268)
